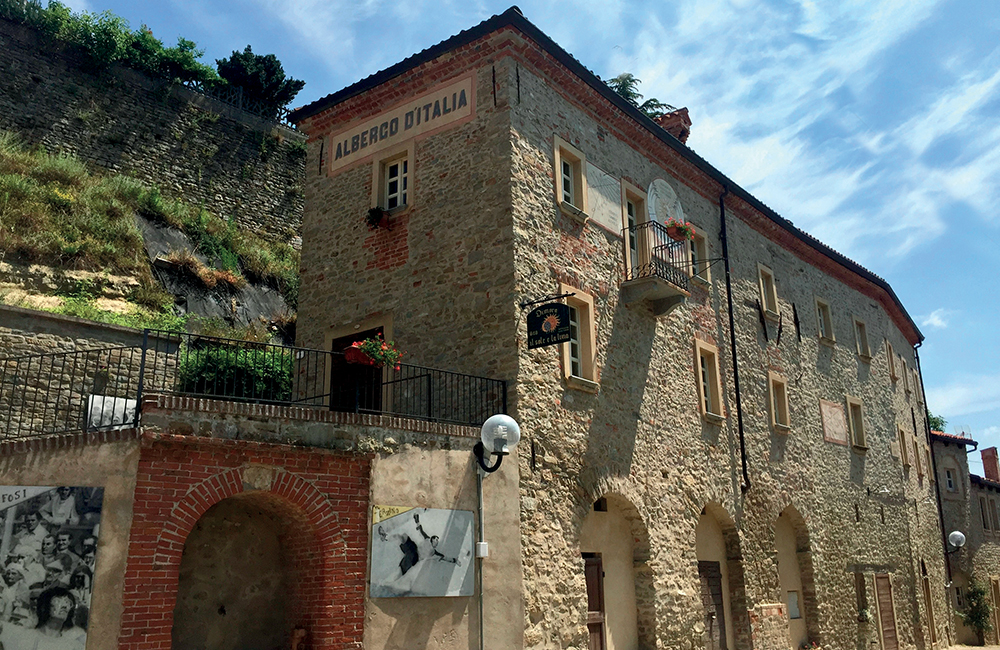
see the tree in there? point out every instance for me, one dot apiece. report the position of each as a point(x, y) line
point(627, 85)
point(937, 422)
point(262, 79)
point(977, 610)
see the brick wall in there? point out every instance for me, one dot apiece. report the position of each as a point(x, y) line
point(322, 497)
point(192, 147)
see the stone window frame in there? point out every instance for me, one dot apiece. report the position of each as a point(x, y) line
point(904, 372)
point(984, 514)
point(904, 447)
point(767, 291)
point(890, 356)
point(577, 207)
point(856, 422)
point(583, 303)
point(706, 362)
point(930, 466)
point(380, 164)
point(861, 343)
point(916, 458)
point(638, 197)
point(916, 386)
point(824, 321)
point(951, 480)
point(994, 516)
point(777, 391)
point(699, 268)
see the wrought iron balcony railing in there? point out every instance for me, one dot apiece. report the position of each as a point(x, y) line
point(652, 253)
point(100, 389)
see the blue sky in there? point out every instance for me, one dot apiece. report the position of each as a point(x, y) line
point(871, 124)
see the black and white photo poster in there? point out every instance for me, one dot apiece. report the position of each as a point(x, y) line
point(421, 552)
point(48, 548)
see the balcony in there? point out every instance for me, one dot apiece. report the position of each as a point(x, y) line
point(101, 389)
point(656, 268)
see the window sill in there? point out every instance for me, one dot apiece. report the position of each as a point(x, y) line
point(861, 449)
point(827, 341)
point(782, 428)
point(772, 316)
point(703, 282)
point(713, 418)
point(867, 358)
point(586, 385)
point(573, 212)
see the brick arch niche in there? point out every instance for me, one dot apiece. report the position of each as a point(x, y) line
point(195, 580)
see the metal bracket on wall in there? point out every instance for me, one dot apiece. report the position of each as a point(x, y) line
point(527, 303)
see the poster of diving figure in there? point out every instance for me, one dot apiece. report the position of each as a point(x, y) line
point(421, 552)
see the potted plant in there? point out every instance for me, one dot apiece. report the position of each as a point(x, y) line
point(374, 352)
point(679, 230)
point(377, 218)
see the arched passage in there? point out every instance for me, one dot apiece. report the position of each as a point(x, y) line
point(720, 574)
point(791, 543)
point(614, 542)
point(239, 573)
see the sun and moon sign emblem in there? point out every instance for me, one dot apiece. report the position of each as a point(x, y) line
point(550, 324)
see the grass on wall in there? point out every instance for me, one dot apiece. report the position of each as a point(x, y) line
point(54, 211)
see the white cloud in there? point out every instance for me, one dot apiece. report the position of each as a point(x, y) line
point(937, 319)
point(965, 396)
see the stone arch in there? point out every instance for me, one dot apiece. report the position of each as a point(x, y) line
point(620, 497)
point(730, 558)
point(186, 512)
point(804, 565)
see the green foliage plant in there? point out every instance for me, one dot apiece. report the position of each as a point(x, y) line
point(977, 614)
point(236, 370)
point(262, 78)
point(627, 86)
point(937, 422)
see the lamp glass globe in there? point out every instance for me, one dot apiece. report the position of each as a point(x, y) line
point(956, 538)
point(500, 426)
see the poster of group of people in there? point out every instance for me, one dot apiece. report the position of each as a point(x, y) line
point(421, 552)
point(49, 547)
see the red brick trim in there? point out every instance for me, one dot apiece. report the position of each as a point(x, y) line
point(153, 403)
point(186, 513)
point(66, 440)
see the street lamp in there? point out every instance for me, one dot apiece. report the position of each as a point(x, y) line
point(956, 538)
point(498, 434)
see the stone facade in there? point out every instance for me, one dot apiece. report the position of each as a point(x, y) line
point(190, 146)
point(964, 498)
point(483, 231)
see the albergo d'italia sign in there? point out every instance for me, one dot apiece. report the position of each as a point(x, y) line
point(439, 107)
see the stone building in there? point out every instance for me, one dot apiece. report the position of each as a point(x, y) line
point(730, 450)
point(969, 504)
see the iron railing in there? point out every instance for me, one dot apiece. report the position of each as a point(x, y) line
point(654, 253)
point(100, 389)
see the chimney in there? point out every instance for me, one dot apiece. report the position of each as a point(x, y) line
point(677, 123)
point(991, 466)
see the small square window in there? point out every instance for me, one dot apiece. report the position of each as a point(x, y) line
point(579, 354)
point(949, 480)
point(861, 340)
point(768, 291)
point(571, 180)
point(778, 392)
point(698, 252)
point(891, 357)
point(856, 423)
point(824, 322)
point(397, 181)
point(793, 605)
point(707, 380)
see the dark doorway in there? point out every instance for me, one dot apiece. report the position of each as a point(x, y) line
point(594, 572)
point(354, 387)
point(710, 575)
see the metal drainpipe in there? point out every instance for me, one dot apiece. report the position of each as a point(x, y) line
point(732, 339)
point(937, 484)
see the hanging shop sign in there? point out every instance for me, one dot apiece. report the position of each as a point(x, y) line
point(548, 325)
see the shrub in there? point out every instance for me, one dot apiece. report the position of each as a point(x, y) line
point(237, 371)
point(977, 613)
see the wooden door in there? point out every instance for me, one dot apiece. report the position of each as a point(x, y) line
point(995, 588)
point(594, 572)
point(930, 609)
point(886, 612)
point(354, 387)
point(710, 575)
